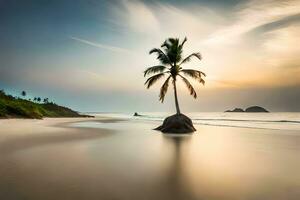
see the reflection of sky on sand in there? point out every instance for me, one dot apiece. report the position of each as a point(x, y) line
point(238, 163)
point(139, 163)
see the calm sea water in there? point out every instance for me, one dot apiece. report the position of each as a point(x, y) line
point(127, 160)
point(278, 120)
point(223, 160)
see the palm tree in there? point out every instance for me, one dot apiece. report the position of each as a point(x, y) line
point(170, 58)
point(23, 93)
point(46, 100)
point(39, 99)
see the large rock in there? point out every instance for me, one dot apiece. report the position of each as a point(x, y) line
point(177, 123)
point(256, 109)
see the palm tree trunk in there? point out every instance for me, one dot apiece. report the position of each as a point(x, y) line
point(176, 98)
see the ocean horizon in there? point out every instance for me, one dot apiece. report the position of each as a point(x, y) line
point(271, 120)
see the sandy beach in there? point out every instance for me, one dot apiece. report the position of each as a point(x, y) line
point(21, 134)
point(104, 158)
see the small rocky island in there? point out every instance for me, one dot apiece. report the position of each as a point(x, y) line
point(235, 110)
point(249, 109)
point(136, 114)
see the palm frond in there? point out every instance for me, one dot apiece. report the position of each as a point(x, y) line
point(154, 69)
point(184, 41)
point(150, 81)
point(164, 89)
point(188, 58)
point(166, 44)
point(195, 74)
point(161, 56)
point(189, 86)
point(170, 42)
point(172, 49)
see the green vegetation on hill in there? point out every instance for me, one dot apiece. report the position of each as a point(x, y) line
point(12, 107)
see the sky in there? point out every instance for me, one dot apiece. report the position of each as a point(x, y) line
point(90, 55)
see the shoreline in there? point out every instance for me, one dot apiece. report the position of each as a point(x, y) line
point(19, 134)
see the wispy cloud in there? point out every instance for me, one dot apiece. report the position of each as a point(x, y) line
point(102, 46)
point(136, 16)
point(253, 14)
point(228, 38)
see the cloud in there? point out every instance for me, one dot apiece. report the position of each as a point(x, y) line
point(230, 59)
point(278, 24)
point(102, 46)
point(256, 14)
point(279, 49)
point(136, 16)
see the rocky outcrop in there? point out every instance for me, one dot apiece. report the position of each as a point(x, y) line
point(235, 110)
point(250, 109)
point(136, 114)
point(177, 123)
point(256, 109)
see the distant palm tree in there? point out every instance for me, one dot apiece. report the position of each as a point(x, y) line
point(170, 57)
point(39, 99)
point(23, 93)
point(46, 100)
point(34, 99)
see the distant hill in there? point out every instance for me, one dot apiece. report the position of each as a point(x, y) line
point(256, 109)
point(12, 107)
point(249, 109)
point(235, 110)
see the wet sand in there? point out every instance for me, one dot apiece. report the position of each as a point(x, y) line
point(105, 158)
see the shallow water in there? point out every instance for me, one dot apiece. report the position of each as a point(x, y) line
point(135, 162)
point(276, 120)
